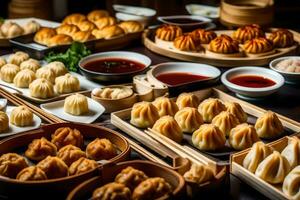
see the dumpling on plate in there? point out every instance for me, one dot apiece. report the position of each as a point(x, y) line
point(18, 57)
point(82, 165)
point(53, 167)
point(11, 164)
point(112, 191)
point(8, 72)
point(46, 73)
point(70, 154)
point(67, 84)
point(130, 177)
point(237, 110)
point(39, 149)
point(225, 121)
point(4, 122)
point(291, 184)
point(144, 114)
point(101, 149)
point(64, 136)
point(199, 174)
point(187, 100)
point(58, 68)
point(21, 116)
point(31, 64)
point(31, 27)
point(209, 108)
point(165, 106)
point(268, 126)
point(41, 88)
point(188, 119)
point(32, 173)
point(292, 151)
point(76, 104)
point(24, 78)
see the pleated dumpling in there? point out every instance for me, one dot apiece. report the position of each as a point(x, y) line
point(258, 153)
point(273, 168)
point(46, 73)
point(291, 184)
point(31, 64)
point(268, 126)
point(292, 151)
point(18, 57)
point(165, 106)
point(209, 138)
point(209, 108)
point(4, 122)
point(21, 116)
point(189, 119)
point(199, 174)
point(76, 104)
point(225, 121)
point(243, 136)
point(237, 110)
point(41, 88)
point(58, 68)
point(24, 78)
point(187, 100)
point(144, 114)
point(168, 127)
point(8, 72)
point(67, 84)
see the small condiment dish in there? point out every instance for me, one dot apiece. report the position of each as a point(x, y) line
point(203, 10)
point(3, 104)
point(185, 21)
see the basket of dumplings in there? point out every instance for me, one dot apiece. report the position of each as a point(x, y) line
point(273, 169)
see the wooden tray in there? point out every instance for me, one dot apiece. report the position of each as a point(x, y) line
point(166, 49)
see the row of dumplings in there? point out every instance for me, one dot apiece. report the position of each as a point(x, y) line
point(10, 29)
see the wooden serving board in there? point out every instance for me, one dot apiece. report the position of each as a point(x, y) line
point(221, 60)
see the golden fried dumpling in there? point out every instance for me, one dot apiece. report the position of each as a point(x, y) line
point(152, 188)
point(105, 21)
point(32, 173)
point(70, 154)
point(291, 184)
point(4, 122)
point(237, 110)
point(112, 191)
point(282, 38)
point(268, 126)
point(165, 106)
point(130, 177)
point(8, 72)
point(67, 84)
point(76, 104)
point(273, 168)
point(11, 164)
point(24, 78)
point(108, 32)
point(168, 127)
point(131, 26)
point(199, 174)
point(31, 64)
point(203, 36)
point(83, 36)
point(186, 43)
point(41, 88)
point(101, 149)
point(188, 119)
point(258, 152)
point(224, 44)
point(248, 32)
point(2, 62)
point(39, 149)
point(74, 19)
point(258, 45)
point(144, 114)
point(97, 14)
point(86, 26)
point(209, 108)
point(46, 73)
point(209, 138)
point(225, 121)
point(21, 116)
point(187, 100)
point(59, 39)
point(44, 34)
point(292, 151)
point(58, 68)
point(243, 136)
point(168, 32)
point(31, 27)
point(11, 29)
point(53, 167)
point(82, 165)
point(67, 29)
point(112, 93)
point(18, 57)
point(65, 135)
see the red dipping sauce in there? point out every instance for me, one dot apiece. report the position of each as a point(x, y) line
point(177, 78)
point(252, 81)
point(113, 65)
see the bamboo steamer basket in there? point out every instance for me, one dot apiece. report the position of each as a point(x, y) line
point(30, 8)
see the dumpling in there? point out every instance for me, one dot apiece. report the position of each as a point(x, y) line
point(11, 164)
point(209, 108)
point(85, 26)
point(291, 184)
point(131, 26)
point(268, 126)
point(112, 93)
point(258, 45)
point(70, 154)
point(292, 151)
point(21, 116)
point(168, 32)
point(101, 149)
point(108, 32)
point(2, 62)
point(187, 100)
point(282, 38)
point(199, 174)
point(225, 121)
point(237, 110)
point(224, 44)
point(83, 36)
point(168, 127)
point(39, 149)
point(208, 138)
point(243, 136)
point(97, 14)
point(82, 165)
point(46, 73)
point(76, 104)
point(31, 27)
point(248, 32)
point(186, 43)
point(105, 21)
point(258, 152)
point(53, 167)
point(32, 173)
point(18, 57)
point(59, 39)
point(24, 78)
point(273, 168)
point(74, 18)
point(4, 122)
point(58, 68)
point(165, 106)
point(130, 177)
point(203, 36)
point(188, 119)
point(144, 114)
point(8, 72)
point(67, 29)
point(65, 135)
point(67, 84)
point(112, 191)
point(41, 88)
point(152, 188)
point(31, 64)
point(44, 34)
point(11, 29)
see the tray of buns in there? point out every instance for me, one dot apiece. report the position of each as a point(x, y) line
point(248, 45)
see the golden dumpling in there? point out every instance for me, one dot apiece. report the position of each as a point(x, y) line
point(101, 149)
point(258, 152)
point(112, 191)
point(187, 100)
point(2, 62)
point(209, 108)
point(105, 21)
point(31, 64)
point(65, 135)
point(186, 43)
point(67, 84)
point(82, 165)
point(188, 119)
point(292, 151)
point(21, 116)
point(165, 106)
point(243, 136)
point(248, 32)
point(86, 26)
point(168, 32)
point(74, 19)
point(112, 93)
point(44, 34)
point(70, 154)
point(225, 121)
point(46, 73)
point(131, 26)
point(67, 29)
point(4, 122)
point(203, 36)
point(144, 114)
point(18, 57)
point(58, 68)
point(83, 36)
point(76, 104)
point(199, 174)
point(53, 167)
point(41, 88)
point(108, 32)
point(97, 14)
point(11, 164)
point(8, 72)
point(291, 184)
point(168, 127)
point(237, 110)
point(282, 38)
point(258, 45)
point(31, 173)
point(130, 177)
point(224, 44)
point(11, 29)
point(59, 39)
point(39, 149)
point(24, 78)
point(31, 27)
point(268, 126)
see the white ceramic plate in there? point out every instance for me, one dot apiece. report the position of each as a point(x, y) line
point(42, 22)
point(201, 20)
point(203, 10)
point(57, 108)
point(3, 104)
point(134, 10)
point(15, 129)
